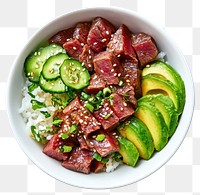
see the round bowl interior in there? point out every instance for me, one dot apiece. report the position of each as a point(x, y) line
point(124, 174)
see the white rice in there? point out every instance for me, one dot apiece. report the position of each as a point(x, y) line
point(161, 56)
point(35, 117)
point(111, 165)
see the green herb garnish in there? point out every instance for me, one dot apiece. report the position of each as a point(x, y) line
point(64, 136)
point(37, 105)
point(73, 128)
point(46, 114)
point(57, 122)
point(100, 137)
point(107, 116)
point(65, 149)
point(89, 106)
point(97, 157)
point(32, 87)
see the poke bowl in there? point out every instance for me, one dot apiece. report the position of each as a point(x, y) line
point(100, 98)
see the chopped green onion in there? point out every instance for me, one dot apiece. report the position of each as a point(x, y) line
point(37, 136)
point(37, 105)
point(116, 156)
point(100, 137)
point(33, 96)
point(97, 157)
point(106, 91)
point(84, 96)
point(110, 99)
point(121, 83)
point(73, 128)
point(32, 86)
point(64, 136)
point(89, 106)
point(57, 122)
point(104, 160)
point(46, 114)
point(99, 94)
point(107, 116)
point(65, 149)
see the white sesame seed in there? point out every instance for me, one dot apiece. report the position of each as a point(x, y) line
point(103, 40)
point(119, 74)
point(121, 109)
point(114, 65)
point(115, 74)
point(95, 43)
point(128, 81)
point(67, 39)
point(102, 71)
point(74, 48)
point(114, 133)
point(125, 104)
point(112, 35)
point(81, 120)
point(89, 51)
point(54, 46)
point(91, 143)
point(107, 108)
point(89, 65)
point(90, 57)
point(118, 55)
point(77, 36)
point(107, 32)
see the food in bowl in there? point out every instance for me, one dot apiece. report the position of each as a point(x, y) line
point(97, 96)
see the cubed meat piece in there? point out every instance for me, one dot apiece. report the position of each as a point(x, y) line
point(106, 117)
point(97, 166)
point(133, 76)
point(62, 36)
point(81, 31)
point(145, 48)
point(121, 43)
point(128, 94)
point(99, 34)
point(80, 160)
point(51, 149)
point(82, 116)
point(120, 107)
point(96, 84)
point(73, 48)
point(82, 142)
point(106, 66)
point(86, 57)
point(106, 146)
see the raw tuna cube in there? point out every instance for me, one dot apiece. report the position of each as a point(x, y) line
point(106, 117)
point(81, 31)
point(86, 57)
point(121, 108)
point(106, 146)
point(133, 76)
point(96, 84)
point(51, 149)
point(97, 166)
point(79, 160)
point(99, 34)
point(105, 66)
point(145, 48)
point(74, 105)
point(62, 36)
point(82, 142)
point(121, 43)
point(127, 93)
point(73, 48)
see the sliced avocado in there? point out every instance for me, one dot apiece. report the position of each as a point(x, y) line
point(165, 105)
point(154, 121)
point(167, 72)
point(137, 132)
point(128, 151)
point(153, 84)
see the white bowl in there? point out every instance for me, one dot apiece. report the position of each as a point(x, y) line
point(124, 174)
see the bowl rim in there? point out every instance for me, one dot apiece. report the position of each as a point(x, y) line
point(13, 68)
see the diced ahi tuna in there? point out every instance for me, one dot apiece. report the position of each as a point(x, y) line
point(120, 107)
point(86, 57)
point(132, 76)
point(73, 48)
point(106, 117)
point(51, 149)
point(80, 160)
point(96, 84)
point(82, 116)
point(62, 36)
point(106, 66)
point(81, 31)
point(128, 94)
point(99, 34)
point(97, 166)
point(145, 48)
point(121, 43)
point(106, 146)
point(82, 142)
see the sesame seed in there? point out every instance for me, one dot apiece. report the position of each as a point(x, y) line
point(82, 44)
point(91, 143)
point(112, 35)
point(94, 136)
point(103, 40)
point(119, 74)
point(107, 108)
point(54, 46)
point(111, 112)
point(148, 65)
point(81, 120)
point(121, 109)
point(114, 133)
point(35, 54)
point(102, 71)
point(72, 135)
point(125, 104)
point(114, 65)
point(89, 51)
point(107, 32)
point(116, 136)
point(118, 55)
point(74, 48)
point(32, 74)
point(89, 65)
point(112, 70)
point(94, 150)
point(95, 43)
point(90, 57)
point(67, 39)
point(128, 81)
point(115, 74)
point(28, 74)
point(39, 53)
point(77, 36)
point(126, 75)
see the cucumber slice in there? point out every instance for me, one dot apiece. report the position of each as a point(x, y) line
point(34, 62)
point(55, 86)
point(74, 75)
point(51, 67)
